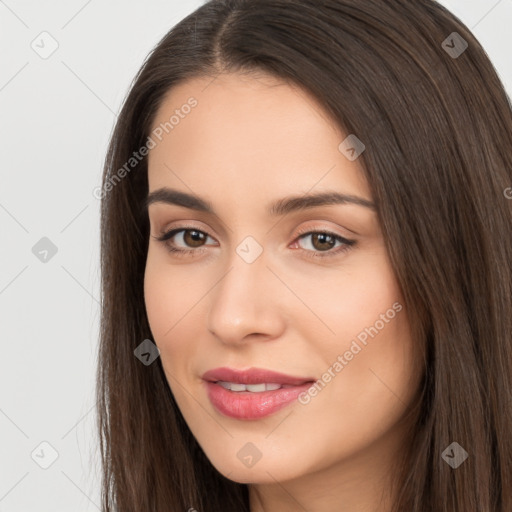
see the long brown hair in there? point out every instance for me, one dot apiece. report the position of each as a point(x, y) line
point(437, 127)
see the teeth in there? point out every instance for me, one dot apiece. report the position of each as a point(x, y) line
point(253, 388)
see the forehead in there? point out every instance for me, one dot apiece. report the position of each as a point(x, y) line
point(249, 133)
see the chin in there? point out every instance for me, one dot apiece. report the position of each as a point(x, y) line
point(262, 475)
point(266, 470)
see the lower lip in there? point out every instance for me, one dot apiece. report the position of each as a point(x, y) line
point(244, 405)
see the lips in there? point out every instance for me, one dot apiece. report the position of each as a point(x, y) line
point(254, 393)
point(253, 376)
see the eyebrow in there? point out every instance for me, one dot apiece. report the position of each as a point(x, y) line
point(278, 208)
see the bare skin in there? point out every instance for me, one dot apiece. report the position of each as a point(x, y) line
point(294, 309)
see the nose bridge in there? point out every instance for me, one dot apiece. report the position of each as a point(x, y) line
point(241, 302)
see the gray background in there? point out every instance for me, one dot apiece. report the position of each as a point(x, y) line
point(56, 117)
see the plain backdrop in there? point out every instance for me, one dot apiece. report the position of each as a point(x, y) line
point(56, 115)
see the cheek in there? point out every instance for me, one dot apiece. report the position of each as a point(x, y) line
point(160, 300)
point(368, 358)
point(165, 305)
point(351, 301)
point(168, 296)
point(169, 307)
point(376, 378)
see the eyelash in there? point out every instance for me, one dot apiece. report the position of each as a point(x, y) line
point(165, 238)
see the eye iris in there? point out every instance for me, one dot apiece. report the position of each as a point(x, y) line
point(196, 238)
point(322, 237)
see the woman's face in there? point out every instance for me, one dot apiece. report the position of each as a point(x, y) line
point(257, 290)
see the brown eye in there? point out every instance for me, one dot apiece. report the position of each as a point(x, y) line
point(184, 241)
point(190, 241)
point(322, 241)
point(323, 244)
point(193, 238)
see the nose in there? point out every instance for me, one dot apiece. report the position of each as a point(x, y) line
point(245, 304)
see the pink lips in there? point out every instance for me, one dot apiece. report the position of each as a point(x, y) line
point(248, 405)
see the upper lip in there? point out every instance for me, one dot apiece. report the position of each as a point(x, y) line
point(253, 376)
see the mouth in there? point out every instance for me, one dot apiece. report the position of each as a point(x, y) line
point(252, 394)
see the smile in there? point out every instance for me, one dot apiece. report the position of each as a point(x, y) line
point(253, 388)
point(252, 394)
